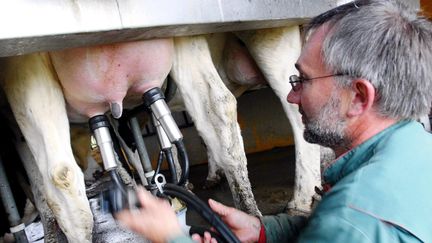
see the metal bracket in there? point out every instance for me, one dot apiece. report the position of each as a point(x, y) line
point(160, 182)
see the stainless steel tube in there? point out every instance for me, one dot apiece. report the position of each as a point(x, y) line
point(105, 144)
point(17, 228)
point(164, 141)
point(142, 151)
point(163, 115)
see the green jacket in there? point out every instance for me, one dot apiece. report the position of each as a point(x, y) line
point(380, 192)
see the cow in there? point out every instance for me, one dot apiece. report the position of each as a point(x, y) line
point(47, 90)
point(91, 81)
point(275, 52)
point(36, 98)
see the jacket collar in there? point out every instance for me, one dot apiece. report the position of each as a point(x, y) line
point(356, 157)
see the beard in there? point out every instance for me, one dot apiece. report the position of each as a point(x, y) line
point(328, 127)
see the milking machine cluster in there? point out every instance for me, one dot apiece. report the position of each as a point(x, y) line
point(120, 197)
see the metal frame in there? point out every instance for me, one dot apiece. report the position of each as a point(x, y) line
point(29, 26)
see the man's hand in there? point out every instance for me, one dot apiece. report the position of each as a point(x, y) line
point(155, 220)
point(244, 226)
point(206, 238)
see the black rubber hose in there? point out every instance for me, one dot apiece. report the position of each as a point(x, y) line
point(184, 161)
point(117, 182)
point(158, 166)
point(170, 90)
point(117, 149)
point(204, 210)
point(117, 195)
point(170, 160)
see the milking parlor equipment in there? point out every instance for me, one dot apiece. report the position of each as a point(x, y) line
point(118, 197)
point(52, 25)
point(16, 226)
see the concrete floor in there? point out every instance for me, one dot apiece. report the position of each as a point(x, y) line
point(271, 174)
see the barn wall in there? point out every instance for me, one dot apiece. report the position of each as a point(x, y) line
point(426, 6)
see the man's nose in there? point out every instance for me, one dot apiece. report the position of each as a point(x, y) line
point(293, 97)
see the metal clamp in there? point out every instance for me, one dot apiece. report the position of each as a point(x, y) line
point(17, 228)
point(160, 182)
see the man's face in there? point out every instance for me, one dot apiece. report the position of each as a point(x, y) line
point(319, 100)
point(326, 128)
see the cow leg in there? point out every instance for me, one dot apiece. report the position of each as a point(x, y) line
point(214, 111)
point(213, 175)
point(37, 102)
point(51, 232)
point(307, 170)
point(276, 51)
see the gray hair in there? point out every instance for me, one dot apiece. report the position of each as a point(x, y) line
point(389, 45)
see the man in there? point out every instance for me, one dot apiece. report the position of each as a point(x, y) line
point(365, 75)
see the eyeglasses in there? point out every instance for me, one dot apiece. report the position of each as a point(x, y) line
point(297, 82)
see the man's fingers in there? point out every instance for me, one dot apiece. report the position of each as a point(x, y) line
point(144, 196)
point(205, 239)
point(122, 216)
point(147, 200)
point(127, 219)
point(219, 208)
point(197, 238)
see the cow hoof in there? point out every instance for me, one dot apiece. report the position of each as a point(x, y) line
point(209, 184)
point(189, 186)
point(298, 212)
point(294, 210)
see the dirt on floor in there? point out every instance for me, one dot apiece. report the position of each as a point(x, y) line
point(271, 174)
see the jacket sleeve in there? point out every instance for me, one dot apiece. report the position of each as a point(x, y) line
point(181, 239)
point(279, 228)
point(282, 227)
point(333, 228)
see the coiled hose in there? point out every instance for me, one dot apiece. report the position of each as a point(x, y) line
point(184, 162)
point(204, 210)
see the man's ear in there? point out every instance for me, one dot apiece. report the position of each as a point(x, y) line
point(363, 97)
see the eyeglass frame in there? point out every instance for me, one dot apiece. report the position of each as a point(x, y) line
point(297, 84)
